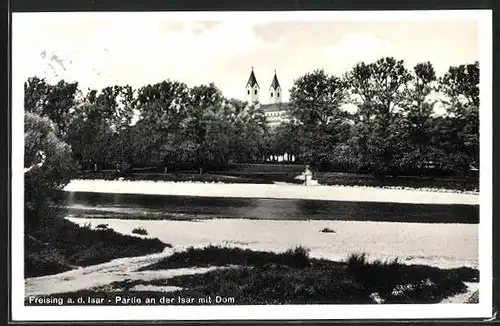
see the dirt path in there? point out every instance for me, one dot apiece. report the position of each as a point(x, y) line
point(98, 275)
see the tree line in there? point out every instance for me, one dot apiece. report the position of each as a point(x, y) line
point(392, 127)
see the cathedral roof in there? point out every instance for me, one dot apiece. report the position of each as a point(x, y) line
point(275, 83)
point(252, 81)
point(275, 107)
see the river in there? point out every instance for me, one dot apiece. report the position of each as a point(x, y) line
point(158, 207)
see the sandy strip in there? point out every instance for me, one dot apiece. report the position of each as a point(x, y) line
point(440, 245)
point(275, 191)
point(117, 270)
point(463, 297)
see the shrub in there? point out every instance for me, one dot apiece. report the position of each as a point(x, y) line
point(297, 257)
point(220, 256)
point(74, 245)
point(327, 230)
point(42, 259)
point(376, 276)
point(50, 167)
point(141, 231)
point(264, 278)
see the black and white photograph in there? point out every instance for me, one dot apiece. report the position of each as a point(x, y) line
point(251, 165)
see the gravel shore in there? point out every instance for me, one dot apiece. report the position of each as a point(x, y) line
point(275, 191)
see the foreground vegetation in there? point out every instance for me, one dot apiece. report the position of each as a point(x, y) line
point(253, 277)
point(62, 245)
point(52, 243)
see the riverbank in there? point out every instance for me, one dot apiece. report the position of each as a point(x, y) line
point(275, 191)
point(439, 245)
point(61, 245)
point(434, 247)
point(256, 277)
point(286, 173)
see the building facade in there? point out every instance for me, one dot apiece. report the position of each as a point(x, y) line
point(275, 110)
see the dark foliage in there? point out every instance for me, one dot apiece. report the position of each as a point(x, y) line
point(66, 244)
point(366, 180)
point(220, 256)
point(391, 131)
point(258, 279)
point(141, 231)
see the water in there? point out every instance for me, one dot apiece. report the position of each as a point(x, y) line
point(133, 206)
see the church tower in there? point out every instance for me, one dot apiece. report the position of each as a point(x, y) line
point(252, 89)
point(275, 90)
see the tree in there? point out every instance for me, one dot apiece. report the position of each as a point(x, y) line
point(52, 101)
point(247, 124)
point(117, 104)
point(418, 117)
point(461, 87)
point(35, 95)
point(163, 108)
point(316, 99)
point(379, 90)
point(204, 113)
point(48, 165)
point(90, 136)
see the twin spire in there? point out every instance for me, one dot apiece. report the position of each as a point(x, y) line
point(253, 88)
point(252, 81)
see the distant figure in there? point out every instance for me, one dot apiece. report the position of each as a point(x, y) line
point(308, 177)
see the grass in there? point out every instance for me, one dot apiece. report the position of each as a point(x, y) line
point(268, 175)
point(414, 182)
point(327, 282)
point(222, 256)
point(176, 177)
point(293, 277)
point(62, 245)
point(141, 231)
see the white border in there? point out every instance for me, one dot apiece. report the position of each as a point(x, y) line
point(481, 310)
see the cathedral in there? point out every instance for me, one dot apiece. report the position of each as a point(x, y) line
point(275, 111)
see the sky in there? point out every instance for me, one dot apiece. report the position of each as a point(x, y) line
point(104, 49)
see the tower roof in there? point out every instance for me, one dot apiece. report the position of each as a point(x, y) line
point(275, 83)
point(252, 81)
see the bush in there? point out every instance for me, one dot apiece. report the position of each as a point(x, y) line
point(50, 167)
point(297, 257)
point(274, 285)
point(141, 231)
point(268, 278)
point(70, 244)
point(220, 256)
point(42, 259)
point(327, 230)
point(376, 276)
